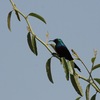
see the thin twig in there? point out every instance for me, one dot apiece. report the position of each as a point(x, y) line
point(28, 23)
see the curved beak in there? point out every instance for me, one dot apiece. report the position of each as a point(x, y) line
point(51, 41)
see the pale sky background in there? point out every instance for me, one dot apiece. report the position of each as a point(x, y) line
point(22, 74)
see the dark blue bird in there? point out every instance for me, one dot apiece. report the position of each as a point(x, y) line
point(62, 51)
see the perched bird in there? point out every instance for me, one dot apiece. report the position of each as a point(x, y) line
point(62, 51)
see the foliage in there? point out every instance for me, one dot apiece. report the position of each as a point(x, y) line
point(68, 66)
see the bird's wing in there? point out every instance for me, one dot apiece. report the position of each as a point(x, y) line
point(68, 56)
point(64, 52)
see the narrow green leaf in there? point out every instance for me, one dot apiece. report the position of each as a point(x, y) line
point(93, 97)
point(9, 20)
point(96, 66)
point(18, 17)
point(34, 45)
point(78, 98)
point(65, 66)
point(97, 80)
point(38, 17)
point(29, 41)
point(76, 84)
point(93, 60)
point(70, 65)
point(48, 70)
point(87, 92)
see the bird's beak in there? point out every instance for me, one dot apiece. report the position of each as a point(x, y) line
point(50, 41)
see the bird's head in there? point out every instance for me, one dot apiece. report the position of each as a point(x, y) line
point(56, 40)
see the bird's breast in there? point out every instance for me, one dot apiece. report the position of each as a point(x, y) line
point(60, 50)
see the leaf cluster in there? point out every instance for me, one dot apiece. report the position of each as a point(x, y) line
point(68, 66)
point(70, 73)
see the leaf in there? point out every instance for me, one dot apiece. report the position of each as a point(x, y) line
point(38, 17)
point(18, 17)
point(93, 97)
point(9, 20)
point(48, 70)
point(87, 92)
point(65, 66)
point(32, 43)
point(93, 60)
point(78, 98)
point(70, 65)
point(96, 66)
point(97, 80)
point(29, 41)
point(76, 84)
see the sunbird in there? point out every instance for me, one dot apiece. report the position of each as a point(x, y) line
point(62, 51)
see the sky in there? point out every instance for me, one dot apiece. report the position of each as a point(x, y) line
point(22, 74)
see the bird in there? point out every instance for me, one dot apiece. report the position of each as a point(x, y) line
point(63, 51)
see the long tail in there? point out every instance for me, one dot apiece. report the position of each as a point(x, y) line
point(77, 67)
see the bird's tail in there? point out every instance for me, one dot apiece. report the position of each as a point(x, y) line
point(77, 67)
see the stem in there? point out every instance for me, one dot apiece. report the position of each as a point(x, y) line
point(31, 31)
point(12, 2)
point(91, 82)
point(84, 65)
point(90, 76)
point(89, 72)
point(44, 44)
point(28, 23)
